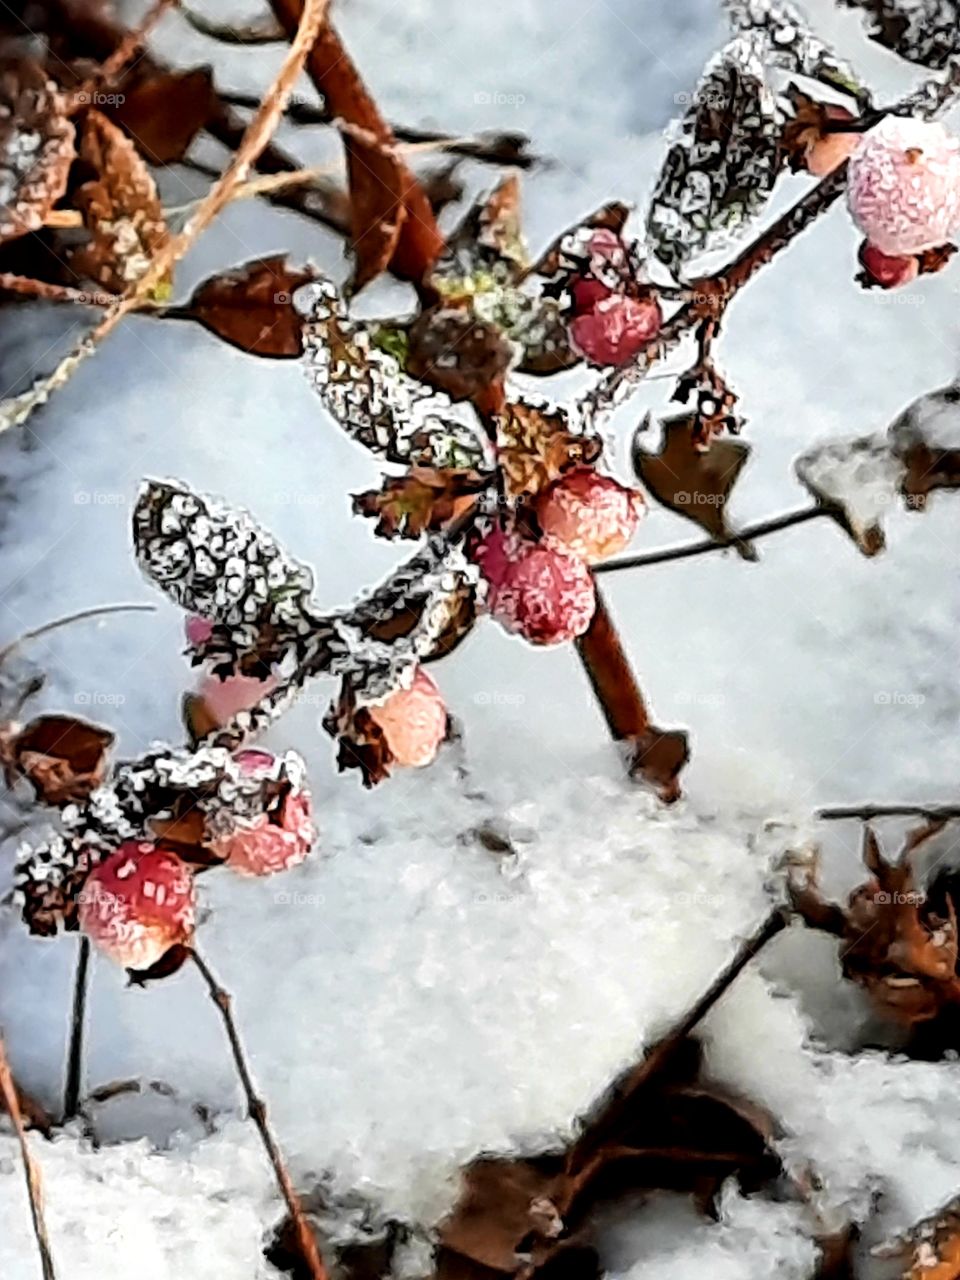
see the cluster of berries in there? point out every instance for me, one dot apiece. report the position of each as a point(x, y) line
point(612, 313)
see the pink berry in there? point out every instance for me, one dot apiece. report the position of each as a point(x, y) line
point(137, 904)
point(616, 329)
point(903, 188)
point(223, 699)
point(589, 515)
point(545, 595)
point(587, 292)
point(273, 841)
point(413, 721)
point(496, 552)
point(198, 630)
point(888, 271)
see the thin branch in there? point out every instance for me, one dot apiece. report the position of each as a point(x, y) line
point(27, 287)
point(750, 534)
point(128, 48)
point(8, 1091)
point(255, 139)
point(866, 812)
point(258, 1114)
point(621, 1096)
point(81, 983)
point(265, 30)
point(81, 615)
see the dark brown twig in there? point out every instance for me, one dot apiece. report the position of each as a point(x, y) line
point(258, 1114)
point(866, 812)
point(81, 983)
point(8, 1091)
point(620, 1097)
point(750, 534)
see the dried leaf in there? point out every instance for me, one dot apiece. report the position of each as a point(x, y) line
point(488, 247)
point(410, 505)
point(251, 307)
point(555, 260)
point(364, 387)
point(930, 1249)
point(923, 31)
point(926, 442)
point(857, 482)
point(163, 111)
point(451, 350)
point(723, 162)
point(64, 758)
point(121, 208)
point(535, 446)
point(36, 147)
point(545, 340)
point(692, 480)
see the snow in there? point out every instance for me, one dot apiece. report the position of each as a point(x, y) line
point(408, 999)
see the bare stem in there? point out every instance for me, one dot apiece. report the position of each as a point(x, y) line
point(81, 984)
point(866, 812)
point(42, 289)
point(258, 1114)
point(621, 1096)
point(126, 50)
point(81, 615)
point(750, 534)
point(8, 1091)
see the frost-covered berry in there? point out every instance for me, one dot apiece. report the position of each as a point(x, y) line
point(540, 593)
point(887, 270)
point(223, 699)
point(496, 552)
point(275, 840)
point(616, 329)
point(589, 515)
point(413, 721)
point(137, 904)
point(903, 186)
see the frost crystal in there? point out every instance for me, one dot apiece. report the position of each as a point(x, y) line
point(723, 162)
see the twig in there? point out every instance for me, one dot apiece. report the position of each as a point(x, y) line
point(81, 982)
point(265, 30)
point(81, 615)
point(492, 148)
point(256, 137)
point(868, 811)
point(30, 1167)
point(611, 677)
point(112, 66)
point(258, 1114)
point(620, 1097)
point(773, 525)
point(27, 287)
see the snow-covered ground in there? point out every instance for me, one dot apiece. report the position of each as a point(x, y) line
point(406, 1000)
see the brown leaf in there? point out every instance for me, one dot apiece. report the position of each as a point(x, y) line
point(36, 147)
point(163, 111)
point(922, 439)
point(545, 340)
point(535, 447)
point(251, 307)
point(392, 222)
point(493, 1213)
point(448, 348)
point(691, 480)
point(64, 758)
point(408, 506)
point(488, 245)
point(462, 606)
point(930, 1249)
point(121, 208)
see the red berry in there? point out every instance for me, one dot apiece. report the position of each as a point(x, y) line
point(272, 841)
point(589, 515)
point(617, 329)
point(137, 904)
point(889, 271)
point(542, 594)
point(587, 292)
point(413, 721)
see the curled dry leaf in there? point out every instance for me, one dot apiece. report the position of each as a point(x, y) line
point(64, 758)
point(121, 209)
point(721, 166)
point(36, 147)
point(422, 500)
point(535, 446)
point(163, 111)
point(923, 31)
point(691, 479)
point(251, 307)
point(856, 481)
